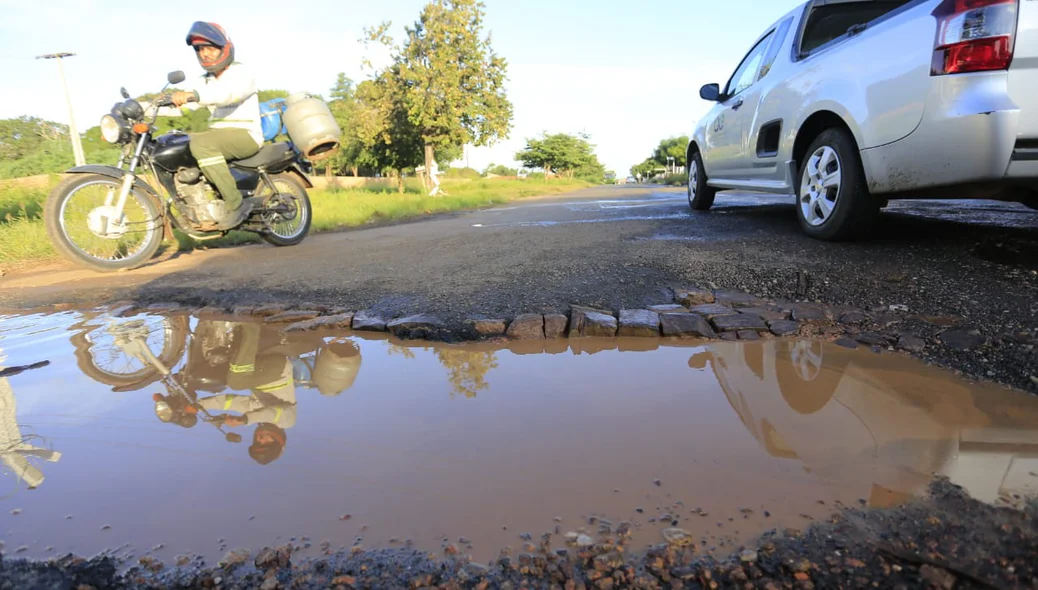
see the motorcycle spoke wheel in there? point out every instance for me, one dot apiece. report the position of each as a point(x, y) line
point(83, 214)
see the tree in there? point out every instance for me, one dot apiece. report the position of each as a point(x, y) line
point(447, 80)
point(467, 370)
point(674, 147)
point(500, 170)
point(563, 153)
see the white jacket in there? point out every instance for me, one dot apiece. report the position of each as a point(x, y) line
point(232, 99)
point(14, 450)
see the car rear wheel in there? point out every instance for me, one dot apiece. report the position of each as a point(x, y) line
point(833, 200)
point(700, 196)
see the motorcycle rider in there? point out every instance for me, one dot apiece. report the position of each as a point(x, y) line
point(229, 90)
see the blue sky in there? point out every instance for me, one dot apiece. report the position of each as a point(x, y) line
point(627, 73)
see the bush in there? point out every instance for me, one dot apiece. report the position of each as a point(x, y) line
point(675, 180)
point(468, 173)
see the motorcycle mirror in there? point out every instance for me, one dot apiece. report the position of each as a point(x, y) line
point(233, 437)
point(176, 77)
point(123, 92)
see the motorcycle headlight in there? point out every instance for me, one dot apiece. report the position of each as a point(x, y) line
point(112, 129)
point(163, 411)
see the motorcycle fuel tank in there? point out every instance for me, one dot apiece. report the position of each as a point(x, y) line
point(172, 151)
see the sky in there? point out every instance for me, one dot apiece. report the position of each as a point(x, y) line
point(627, 73)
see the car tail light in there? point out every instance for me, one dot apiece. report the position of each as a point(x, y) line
point(974, 36)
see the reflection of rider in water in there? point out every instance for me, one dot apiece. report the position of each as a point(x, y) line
point(272, 402)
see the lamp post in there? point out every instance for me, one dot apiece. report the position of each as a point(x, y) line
point(77, 144)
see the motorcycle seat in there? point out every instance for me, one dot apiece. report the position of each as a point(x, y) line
point(269, 154)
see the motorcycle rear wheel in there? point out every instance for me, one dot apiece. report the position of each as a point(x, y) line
point(285, 230)
point(78, 201)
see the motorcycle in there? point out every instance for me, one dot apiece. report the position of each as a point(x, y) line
point(108, 218)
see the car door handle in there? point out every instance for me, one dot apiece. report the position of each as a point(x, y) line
point(737, 105)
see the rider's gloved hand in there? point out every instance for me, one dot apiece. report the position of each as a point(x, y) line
point(180, 98)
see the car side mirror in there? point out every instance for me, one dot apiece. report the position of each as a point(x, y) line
point(176, 77)
point(711, 92)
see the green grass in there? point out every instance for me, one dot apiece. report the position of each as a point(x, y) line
point(23, 239)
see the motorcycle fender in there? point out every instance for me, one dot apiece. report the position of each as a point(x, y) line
point(297, 170)
point(118, 174)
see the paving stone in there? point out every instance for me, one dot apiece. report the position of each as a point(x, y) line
point(123, 311)
point(747, 335)
point(297, 315)
point(962, 339)
point(165, 307)
point(421, 325)
point(599, 325)
point(809, 313)
point(712, 310)
point(737, 322)
point(341, 320)
point(784, 327)
point(555, 325)
point(765, 313)
point(686, 325)
point(854, 317)
point(262, 311)
point(872, 339)
point(529, 326)
point(690, 297)
point(669, 308)
point(369, 321)
point(488, 328)
point(640, 323)
point(730, 336)
point(846, 343)
point(577, 317)
point(736, 298)
point(911, 343)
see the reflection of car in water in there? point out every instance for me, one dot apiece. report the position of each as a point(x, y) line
point(856, 418)
point(227, 374)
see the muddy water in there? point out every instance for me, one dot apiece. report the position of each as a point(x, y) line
point(418, 443)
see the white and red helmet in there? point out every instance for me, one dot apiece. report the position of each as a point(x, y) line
point(211, 34)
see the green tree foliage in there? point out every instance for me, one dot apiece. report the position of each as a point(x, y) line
point(674, 147)
point(564, 154)
point(446, 81)
point(467, 370)
point(30, 146)
point(500, 170)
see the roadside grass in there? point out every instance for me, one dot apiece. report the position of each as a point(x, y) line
point(23, 239)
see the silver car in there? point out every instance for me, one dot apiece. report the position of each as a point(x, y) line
point(849, 103)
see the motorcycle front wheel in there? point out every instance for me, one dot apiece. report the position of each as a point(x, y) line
point(85, 231)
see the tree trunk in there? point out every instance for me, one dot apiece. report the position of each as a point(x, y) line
point(400, 181)
point(547, 172)
point(328, 171)
point(355, 172)
point(429, 156)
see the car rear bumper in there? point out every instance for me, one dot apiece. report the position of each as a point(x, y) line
point(968, 135)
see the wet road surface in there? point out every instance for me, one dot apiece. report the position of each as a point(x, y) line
point(626, 247)
point(346, 440)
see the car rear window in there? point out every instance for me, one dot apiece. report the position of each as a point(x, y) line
point(828, 22)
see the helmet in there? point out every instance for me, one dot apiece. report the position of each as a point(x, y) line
point(336, 367)
point(211, 34)
point(267, 452)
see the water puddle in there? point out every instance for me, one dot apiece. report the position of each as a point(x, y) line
point(174, 435)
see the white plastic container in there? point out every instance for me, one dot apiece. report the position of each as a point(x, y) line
point(311, 127)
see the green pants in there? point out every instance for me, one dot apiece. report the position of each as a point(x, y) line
point(213, 148)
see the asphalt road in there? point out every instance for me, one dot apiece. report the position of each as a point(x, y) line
point(624, 247)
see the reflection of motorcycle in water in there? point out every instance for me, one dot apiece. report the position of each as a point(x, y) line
point(861, 420)
point(251, 373)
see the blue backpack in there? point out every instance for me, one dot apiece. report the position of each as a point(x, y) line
point(270, 118)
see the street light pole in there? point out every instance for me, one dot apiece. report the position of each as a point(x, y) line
point(77, 144)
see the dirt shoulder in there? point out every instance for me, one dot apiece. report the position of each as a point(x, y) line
point(930, 269)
